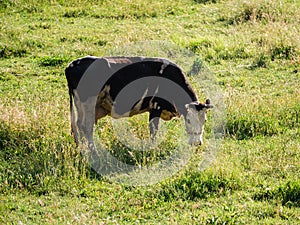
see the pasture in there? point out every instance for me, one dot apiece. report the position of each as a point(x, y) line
point(250, 50)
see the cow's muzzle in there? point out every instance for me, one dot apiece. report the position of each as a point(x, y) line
point(195, 140)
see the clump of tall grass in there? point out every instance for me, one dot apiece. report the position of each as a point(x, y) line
point(53, 60)
point(259, 11)
point(35, 144)
point(288, 193)
point(273, 34)
point(278, 43)
point(9, 51)
point(268, 43)
point(250, 116)
point(214, 50)
point(195, 185)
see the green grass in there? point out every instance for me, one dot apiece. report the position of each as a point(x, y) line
point(251, 49)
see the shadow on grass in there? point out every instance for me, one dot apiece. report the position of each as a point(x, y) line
point(31, 159)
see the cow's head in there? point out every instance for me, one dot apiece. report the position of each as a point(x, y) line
point(195, 119)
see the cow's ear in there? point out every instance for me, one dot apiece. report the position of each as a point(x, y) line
point(208, 105)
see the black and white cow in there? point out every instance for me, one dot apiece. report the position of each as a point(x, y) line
point(126, 86)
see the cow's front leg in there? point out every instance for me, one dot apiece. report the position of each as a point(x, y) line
point(154, 122)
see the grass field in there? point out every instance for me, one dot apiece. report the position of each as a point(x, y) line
point(250, 48)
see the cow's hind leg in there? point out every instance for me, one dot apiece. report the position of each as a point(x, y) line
point(76, 117)
point(89, 116)
point(154, 122)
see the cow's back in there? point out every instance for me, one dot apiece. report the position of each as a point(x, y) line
point(123, 71)
point(76, 69)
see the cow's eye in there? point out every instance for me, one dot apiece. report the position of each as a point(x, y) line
point(188, 121)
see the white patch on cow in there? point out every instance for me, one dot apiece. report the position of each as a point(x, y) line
point(154, 105)
point(157, 106)
point(79, 61)
point(138, 106)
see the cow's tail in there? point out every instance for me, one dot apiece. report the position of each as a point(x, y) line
point(72, 109)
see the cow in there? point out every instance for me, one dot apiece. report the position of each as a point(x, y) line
point(126, 86)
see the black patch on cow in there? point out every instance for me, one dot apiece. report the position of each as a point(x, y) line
point(126, 72)
point(200, 106)
point(76, 69)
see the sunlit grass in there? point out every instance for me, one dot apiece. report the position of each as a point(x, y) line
point(249, 49)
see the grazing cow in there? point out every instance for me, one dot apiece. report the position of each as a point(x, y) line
point(126, 86)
